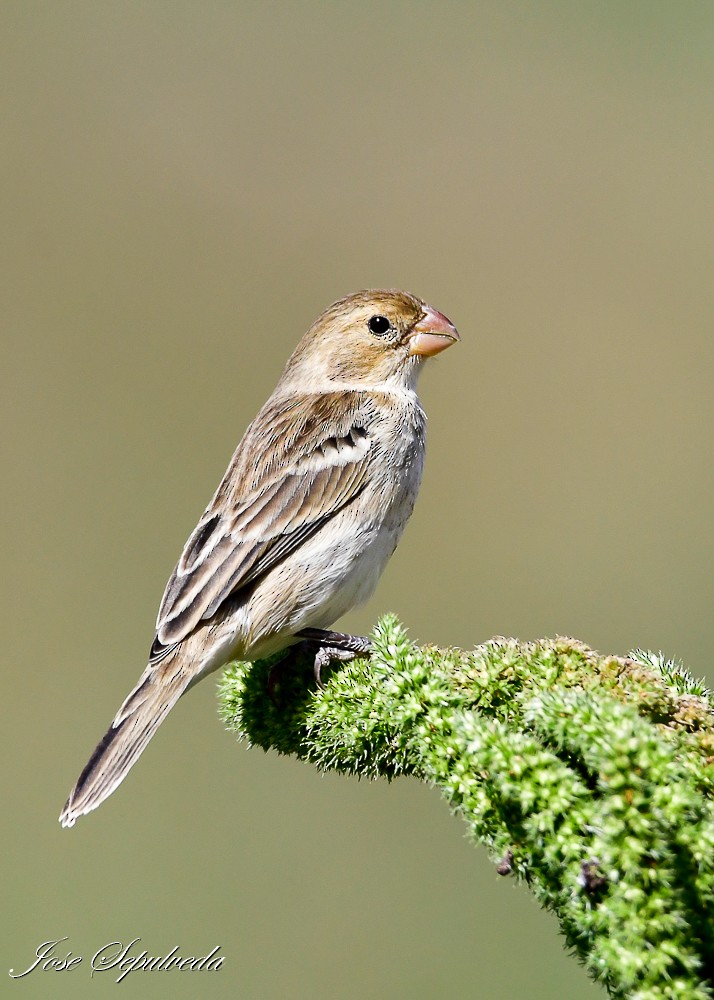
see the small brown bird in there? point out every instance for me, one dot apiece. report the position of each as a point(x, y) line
point(309, 511)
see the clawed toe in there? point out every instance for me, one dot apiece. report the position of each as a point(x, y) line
point(360, 645)
point(325, 656)
point(334, 646)
point(327, 647)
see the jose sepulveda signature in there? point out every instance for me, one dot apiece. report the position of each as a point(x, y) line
point(53, 956)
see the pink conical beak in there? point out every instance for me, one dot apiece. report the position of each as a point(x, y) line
point(432, 334)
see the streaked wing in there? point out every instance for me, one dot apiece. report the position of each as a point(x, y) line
point(301, 461)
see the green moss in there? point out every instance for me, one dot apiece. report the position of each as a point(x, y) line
point(592, 776)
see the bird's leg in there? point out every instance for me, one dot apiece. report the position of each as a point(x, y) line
point(360, 645)
point(278, 670)
point(326, 646)
point(334, 646)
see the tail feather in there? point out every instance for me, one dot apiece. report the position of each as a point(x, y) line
point(126, 739)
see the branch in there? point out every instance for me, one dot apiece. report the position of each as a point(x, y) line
point(590, 777)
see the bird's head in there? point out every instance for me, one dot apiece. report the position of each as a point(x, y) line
point(372, 337)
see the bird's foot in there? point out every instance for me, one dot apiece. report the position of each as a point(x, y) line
point(333, 646)
point(325, 646)
point(279, 669)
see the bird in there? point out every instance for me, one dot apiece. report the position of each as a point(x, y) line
point(309, 511)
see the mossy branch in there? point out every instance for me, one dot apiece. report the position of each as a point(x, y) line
point(590, 777)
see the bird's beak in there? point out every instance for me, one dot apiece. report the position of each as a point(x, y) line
point(432, 334)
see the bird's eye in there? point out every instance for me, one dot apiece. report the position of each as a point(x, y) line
point(379, 325)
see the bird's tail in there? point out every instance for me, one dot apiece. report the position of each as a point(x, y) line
point(142, 713)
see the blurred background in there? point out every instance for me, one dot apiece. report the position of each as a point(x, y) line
point(185, 186)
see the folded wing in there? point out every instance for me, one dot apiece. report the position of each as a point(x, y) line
point(301, 461)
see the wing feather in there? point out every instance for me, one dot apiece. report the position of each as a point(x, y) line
point(297, 466)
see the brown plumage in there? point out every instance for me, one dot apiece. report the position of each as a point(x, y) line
point(311, 507)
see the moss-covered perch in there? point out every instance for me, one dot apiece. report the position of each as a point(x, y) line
point(590, 777)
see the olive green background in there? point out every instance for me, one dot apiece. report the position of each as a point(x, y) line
point(185, 186)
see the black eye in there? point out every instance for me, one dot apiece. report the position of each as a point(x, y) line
point(379, 325)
